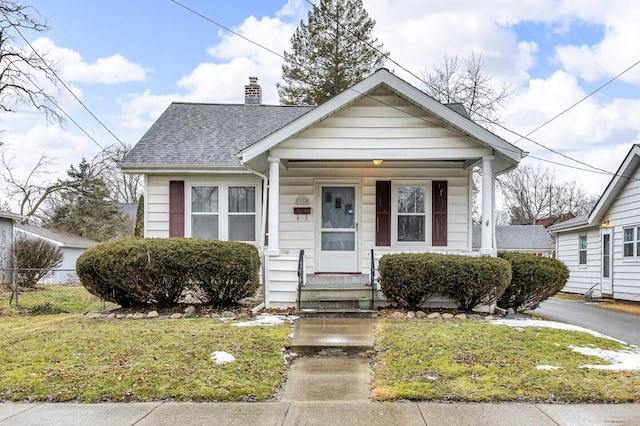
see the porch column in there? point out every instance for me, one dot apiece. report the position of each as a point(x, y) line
point(274, 205)
point(486, 246)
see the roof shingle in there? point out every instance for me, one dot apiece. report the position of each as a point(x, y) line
point(208, 134)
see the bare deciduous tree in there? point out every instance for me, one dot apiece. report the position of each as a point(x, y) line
point(463, 81)
point(35, 258)
point(31, 191)
point(124, 187)
point(535, 192)
point(20, 68)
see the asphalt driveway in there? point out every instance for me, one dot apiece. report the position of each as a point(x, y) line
point(620, 325)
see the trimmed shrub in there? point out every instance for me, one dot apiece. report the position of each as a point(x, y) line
point(224, 272)
point(534, 279)
point(474, 281)
point(138, 272)
point(409, 279)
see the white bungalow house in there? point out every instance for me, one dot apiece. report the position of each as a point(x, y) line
point(602, 249)
point(380, 168)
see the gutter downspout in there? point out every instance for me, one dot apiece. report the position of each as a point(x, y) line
point(263, 225)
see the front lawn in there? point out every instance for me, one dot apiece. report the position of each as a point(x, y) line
point(67, 358)
point(479, 361)
point(53, 298)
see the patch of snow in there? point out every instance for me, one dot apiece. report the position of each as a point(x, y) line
point(266, 319)
point(518, 323)
point(547, 367)
point(620, 360)
point(221, 357)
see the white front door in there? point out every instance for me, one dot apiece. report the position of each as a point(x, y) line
point(337, 230)
point(607, 257)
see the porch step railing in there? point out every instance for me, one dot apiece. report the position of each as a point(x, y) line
point(300, 277)
point(372, 280)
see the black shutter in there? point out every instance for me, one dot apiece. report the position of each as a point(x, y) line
point(439, 213)
point(383, 213)
point(176, 208)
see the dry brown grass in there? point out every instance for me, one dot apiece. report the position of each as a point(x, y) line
point(622, 306)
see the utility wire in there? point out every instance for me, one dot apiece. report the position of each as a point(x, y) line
point(526, 137)
point(594, 169)
point(46, 64)
point(576, 104)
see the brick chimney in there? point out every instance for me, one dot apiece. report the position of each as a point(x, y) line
point(253, 92)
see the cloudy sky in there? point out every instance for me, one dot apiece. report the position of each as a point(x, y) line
point(127, 60)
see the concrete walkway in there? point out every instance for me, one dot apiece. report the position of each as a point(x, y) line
point(320, 390)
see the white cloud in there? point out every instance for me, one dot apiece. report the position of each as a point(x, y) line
point(141, 110)
point(614, 53)
point(294, 9)
point(114, 69)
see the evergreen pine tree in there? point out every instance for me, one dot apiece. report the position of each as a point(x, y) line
point(86, 207)
point(331, 52)
point(139, 229)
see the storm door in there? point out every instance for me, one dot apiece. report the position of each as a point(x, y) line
point(337, 235)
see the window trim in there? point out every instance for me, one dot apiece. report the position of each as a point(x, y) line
point(581, 250)
point(223, 205)
point(634, 242)
point(426, 184)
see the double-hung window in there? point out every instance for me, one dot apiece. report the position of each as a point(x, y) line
point(582, 249)
point(242, 213)
point(411, 212)
point(205, 212)
point(631, 242)
point(223, 212)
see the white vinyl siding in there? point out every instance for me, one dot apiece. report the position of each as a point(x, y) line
point(380, 125)
point(297, 231)
point(581, 276)
point(240, 225)
point(623, 214)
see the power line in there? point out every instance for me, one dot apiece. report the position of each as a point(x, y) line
point(439, 90)
point(592, 169)
point(576, 104)
point(46, 64)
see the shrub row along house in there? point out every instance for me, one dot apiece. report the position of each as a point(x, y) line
point(380, 168)
point(602, 249)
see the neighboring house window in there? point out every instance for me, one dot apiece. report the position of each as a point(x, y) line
point(582, 249)
point(204, 212)
point(223, 212)
point(631, 242)
point(411, 213)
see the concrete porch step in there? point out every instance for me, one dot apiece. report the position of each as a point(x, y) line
point(337, 313)
point(337, 280)
point(333, 336)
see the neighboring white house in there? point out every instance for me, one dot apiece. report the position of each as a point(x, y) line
point(602, 249)
point(6, 245)
point(72, 246)
point(380, 168)
point(533, 239)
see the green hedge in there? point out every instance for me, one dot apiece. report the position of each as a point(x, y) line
point(410, 279)
point(156, 272)
point(534, 280)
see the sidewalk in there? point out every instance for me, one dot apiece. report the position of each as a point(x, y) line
point(351, 413)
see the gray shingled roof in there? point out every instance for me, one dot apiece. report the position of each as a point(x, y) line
point(66, 239)
point(576, 221)
point(208, 134)
point(517, 237)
